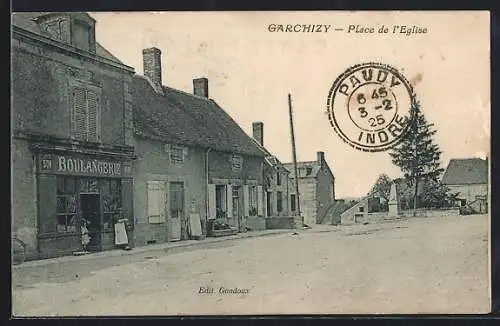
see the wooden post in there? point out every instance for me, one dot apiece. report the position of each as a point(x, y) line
point(294, 158)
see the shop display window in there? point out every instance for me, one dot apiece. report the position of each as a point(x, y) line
point(66, 205)
point(111, 201)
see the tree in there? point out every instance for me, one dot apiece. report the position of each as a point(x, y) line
point(437, 195)
point(417, 155)
point(382, 187)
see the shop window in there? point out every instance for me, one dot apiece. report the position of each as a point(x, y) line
point(279, 201)
point(111, 202)
point(86, 115)
point(66, 205)
point(293, 203)
point(253, 201)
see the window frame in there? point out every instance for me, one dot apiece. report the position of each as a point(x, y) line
point(176, 149)
point(86, 87)
point(67, 213)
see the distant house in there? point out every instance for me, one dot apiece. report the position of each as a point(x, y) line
point(279, 187)
point(316, 188)
point(469, 178)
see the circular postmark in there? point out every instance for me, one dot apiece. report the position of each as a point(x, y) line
point(370, 106)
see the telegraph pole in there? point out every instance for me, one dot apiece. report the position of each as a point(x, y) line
point(294, 158)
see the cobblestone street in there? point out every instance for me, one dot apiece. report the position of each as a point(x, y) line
point(429, 265)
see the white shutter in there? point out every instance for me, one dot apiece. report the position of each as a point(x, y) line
point(156, 201)
point(260, 201)
point(229, 199)
point(212, 210)
point(93, 116)
point(153, 202)
point(162, 203)
point(246, 200)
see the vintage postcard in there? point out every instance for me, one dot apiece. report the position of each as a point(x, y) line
point(250, 163)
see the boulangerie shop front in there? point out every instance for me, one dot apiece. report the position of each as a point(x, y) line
point(77, 188)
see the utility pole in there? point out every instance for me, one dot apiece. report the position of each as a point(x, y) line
point(294, 158)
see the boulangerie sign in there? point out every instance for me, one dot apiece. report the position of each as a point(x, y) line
point(79, 165)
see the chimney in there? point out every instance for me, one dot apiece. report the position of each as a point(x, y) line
point(258, 132)
point(321, 158)
point(151, 59)
point(200, 87)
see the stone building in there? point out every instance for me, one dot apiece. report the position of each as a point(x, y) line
point(469, 178)
point(193, 160)
point(72, 136)
point(316, 188)
point(279, 188)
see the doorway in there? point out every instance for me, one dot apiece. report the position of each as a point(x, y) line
point(236, 201)
point(269, 203)
point(89, 204)
point(177, 221)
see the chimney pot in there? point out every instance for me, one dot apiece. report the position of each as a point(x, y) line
point(258, 132)
point(151, 59)
point(200, 87)
point(321, 158)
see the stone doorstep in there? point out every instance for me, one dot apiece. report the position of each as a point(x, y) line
point(150, 248)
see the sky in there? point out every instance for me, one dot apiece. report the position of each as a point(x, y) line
point(251, 71)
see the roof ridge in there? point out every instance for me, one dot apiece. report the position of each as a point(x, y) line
point(187, 94)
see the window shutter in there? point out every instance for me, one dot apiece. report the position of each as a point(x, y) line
point(162, 201)
point(211, 202)
point(229, 198)
point(93, 116)
point(79, 113)
point(154, 202)
point(260, 201)
point(246, 200)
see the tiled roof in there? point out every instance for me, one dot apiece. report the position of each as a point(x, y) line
point(466, 171)
point(181, 118)
point(25, 20)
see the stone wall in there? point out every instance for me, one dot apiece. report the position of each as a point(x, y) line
point(280, 223)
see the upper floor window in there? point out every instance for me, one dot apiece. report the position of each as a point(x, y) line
point(86, 114)
point(236, 162)
point(278, 178)
point(176, 154)
point(81, 35)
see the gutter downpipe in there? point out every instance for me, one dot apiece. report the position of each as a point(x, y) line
point(207, 208)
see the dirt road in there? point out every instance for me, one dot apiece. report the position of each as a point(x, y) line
point(437, 265)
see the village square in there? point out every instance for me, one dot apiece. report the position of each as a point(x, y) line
point(130, 197)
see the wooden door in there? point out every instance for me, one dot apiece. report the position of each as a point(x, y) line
point(177, 224)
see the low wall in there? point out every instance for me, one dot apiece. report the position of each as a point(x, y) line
point(359, 218)
point(280, 222)
point(256, 223)
point(432, 212)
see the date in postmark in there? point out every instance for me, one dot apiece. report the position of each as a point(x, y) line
point(370, 106)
